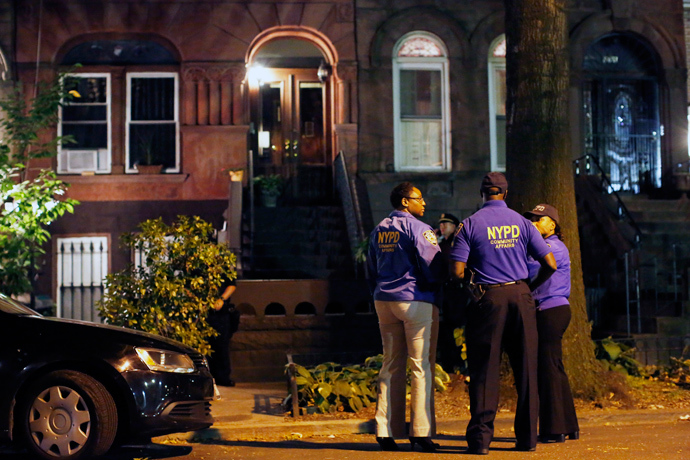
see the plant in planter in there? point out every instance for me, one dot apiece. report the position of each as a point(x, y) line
point(271, 187)
point(148, 162)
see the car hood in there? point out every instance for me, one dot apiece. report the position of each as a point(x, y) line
point(86, 330)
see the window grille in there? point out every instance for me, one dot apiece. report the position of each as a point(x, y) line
point(82, 264)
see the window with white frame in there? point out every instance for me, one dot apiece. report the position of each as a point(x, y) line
point(421, 103)
point(152, 136)
point(82, 265)
point(497, 103)
point(86, 119)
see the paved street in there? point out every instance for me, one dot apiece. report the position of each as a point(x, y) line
point(664, 438)
point(249, 425)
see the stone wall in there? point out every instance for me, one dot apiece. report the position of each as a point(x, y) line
point(322, 317)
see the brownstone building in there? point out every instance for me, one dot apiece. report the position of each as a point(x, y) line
point(406, 90)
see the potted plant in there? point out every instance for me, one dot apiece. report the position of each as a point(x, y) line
point(271, 186)
point(148, 163)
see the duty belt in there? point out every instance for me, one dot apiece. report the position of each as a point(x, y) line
point(491, 286)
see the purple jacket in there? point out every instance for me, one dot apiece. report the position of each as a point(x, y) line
point(404, 260)
point(495, 242)
point(556, 290)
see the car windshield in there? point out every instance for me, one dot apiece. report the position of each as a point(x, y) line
point(12, 307)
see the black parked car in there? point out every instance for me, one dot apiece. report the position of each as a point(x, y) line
point(70, 389)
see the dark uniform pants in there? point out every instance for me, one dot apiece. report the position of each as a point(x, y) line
point(556, 408)
point(504, 319)
point(225, 322)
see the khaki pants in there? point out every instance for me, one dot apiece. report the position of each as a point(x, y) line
point(407, 329)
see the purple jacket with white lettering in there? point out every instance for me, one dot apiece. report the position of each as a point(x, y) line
point(404, 260)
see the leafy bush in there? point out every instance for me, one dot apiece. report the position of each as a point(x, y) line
point(178, 281)
point(335, 388)
point(28, 203)
point(619, 357)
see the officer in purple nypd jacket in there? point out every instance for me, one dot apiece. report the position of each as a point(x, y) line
point(557, 416)
point(406, 271)
point(493, 244)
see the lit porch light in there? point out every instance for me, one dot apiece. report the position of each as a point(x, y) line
point(256, 73)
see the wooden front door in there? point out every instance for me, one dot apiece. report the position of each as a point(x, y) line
point(293, 131)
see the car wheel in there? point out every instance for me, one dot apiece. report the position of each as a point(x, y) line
point(67, 415)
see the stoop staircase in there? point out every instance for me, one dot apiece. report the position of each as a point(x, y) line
point(298, 242)
point(663, 260)
point(636, 258)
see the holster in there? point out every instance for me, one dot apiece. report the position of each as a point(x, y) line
point(475, 291)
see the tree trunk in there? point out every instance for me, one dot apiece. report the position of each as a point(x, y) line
point(539, 161)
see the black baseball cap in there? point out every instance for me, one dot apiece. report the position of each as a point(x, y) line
point(543, 210)
point(494, 180)
point(447, 217)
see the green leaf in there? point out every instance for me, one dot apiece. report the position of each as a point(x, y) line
point(325, 390)
point(342, 388)
point(356, 403)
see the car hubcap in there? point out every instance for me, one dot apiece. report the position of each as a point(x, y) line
point(59, 421)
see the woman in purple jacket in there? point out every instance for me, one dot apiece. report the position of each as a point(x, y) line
point(406, 270)
point(557, 418)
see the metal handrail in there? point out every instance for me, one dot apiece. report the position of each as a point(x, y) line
point(622, 209)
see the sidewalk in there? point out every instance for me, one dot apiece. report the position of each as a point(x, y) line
point(251, 412)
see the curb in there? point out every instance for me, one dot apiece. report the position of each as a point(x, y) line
point(289, 429)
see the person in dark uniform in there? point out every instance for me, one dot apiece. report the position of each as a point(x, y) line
point(225, 319)
point(447, 224)
point(406, 271)
point(454, 299)
point(557, 417)
point(493, 244)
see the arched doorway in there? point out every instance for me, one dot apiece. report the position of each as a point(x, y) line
point(621, 111)
point(290, 96)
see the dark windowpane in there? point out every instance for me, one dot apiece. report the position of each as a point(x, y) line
point(90, 89)
point(153, 99)
point(420, 93)
point(88, 136)
point(84, 113)
point(152, 144)
point(119, 52)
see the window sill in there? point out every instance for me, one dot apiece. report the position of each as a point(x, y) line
point(123, 178)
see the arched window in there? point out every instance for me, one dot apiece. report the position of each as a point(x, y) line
point(135, 80)
point(497, 103)
point(421, 103)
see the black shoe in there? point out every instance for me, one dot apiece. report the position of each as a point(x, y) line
point(387, 444)
point(477, 451)
point(525, 448)
point(547, 438)
point(426, 444)
point(574, 435)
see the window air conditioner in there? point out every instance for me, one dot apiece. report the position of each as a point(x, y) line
point(82, 160)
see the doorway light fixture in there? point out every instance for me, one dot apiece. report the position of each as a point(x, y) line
point(324, 71)
point(256, 73)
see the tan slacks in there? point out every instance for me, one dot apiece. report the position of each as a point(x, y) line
point(408, 329)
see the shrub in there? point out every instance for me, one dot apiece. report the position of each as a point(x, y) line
point(335, 388)
point(172, 290)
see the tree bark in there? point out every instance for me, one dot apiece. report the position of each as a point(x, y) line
point(538, 158)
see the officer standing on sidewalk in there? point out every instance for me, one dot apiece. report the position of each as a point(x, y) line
point(406, 271)
point(493, 244)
